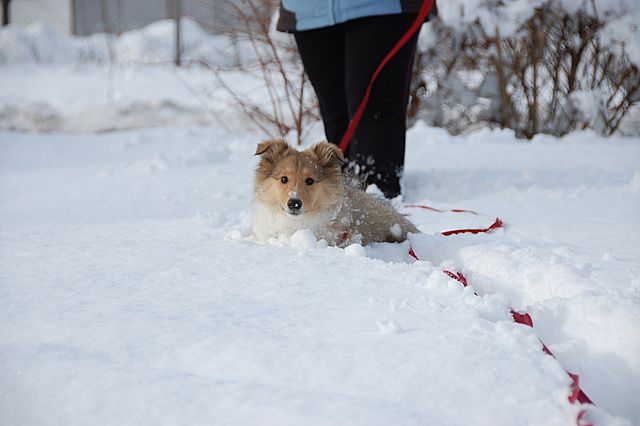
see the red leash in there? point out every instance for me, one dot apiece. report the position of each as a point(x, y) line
point(426, 7)
point(433, 209)
point(497, 224)
point(577, 394)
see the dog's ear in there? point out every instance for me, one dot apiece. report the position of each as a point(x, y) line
point(329, 154)
point(271, 150)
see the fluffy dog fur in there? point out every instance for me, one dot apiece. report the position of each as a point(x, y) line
point(306, 190)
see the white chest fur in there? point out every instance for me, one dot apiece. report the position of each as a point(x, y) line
point(269, 222)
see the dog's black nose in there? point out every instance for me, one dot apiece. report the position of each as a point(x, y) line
point(294, 204)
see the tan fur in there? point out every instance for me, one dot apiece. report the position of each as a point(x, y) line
point(330, 208)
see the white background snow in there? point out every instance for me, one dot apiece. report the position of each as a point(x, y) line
point(132, 291)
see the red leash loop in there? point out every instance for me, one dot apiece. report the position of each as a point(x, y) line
point(497, 224)
point(353, 125)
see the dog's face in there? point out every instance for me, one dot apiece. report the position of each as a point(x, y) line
point(299, 183)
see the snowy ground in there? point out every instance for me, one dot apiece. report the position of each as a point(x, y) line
point(131, 291)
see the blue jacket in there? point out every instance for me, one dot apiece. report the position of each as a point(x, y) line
point(300, 15)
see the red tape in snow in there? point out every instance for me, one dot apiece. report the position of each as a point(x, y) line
point(577, 394)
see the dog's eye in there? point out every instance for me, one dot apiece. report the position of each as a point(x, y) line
point(309, 181)
point(284, 179)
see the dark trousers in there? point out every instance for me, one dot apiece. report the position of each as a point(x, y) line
point(339, 61)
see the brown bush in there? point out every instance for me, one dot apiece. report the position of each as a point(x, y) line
point(553, 76)
point(276, 65)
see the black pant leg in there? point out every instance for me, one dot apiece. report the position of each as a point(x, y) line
point(322, 52)
point(378, 146)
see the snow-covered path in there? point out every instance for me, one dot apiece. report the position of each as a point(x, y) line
point(132, 293)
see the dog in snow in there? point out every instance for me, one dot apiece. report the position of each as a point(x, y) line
point(307, 190)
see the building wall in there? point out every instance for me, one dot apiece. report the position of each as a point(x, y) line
point(84, 17)
point(55, 12)
point(125, 15)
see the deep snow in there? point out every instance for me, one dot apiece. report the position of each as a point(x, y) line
point(131, 290)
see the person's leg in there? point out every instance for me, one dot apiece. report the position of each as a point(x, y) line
point(378, 146)
point(322, 53)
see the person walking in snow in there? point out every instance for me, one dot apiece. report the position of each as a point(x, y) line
point(341, 43)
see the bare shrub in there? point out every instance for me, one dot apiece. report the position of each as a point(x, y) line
point(276, 66)
point(554, 75)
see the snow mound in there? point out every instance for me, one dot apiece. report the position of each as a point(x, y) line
point(153, 44)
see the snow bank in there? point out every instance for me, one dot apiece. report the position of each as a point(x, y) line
point(94, 98)
point(155, 43)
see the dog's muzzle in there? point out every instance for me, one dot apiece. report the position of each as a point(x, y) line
point(295, 206)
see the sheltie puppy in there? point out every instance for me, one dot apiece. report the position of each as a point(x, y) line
point(307, 190)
